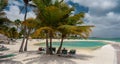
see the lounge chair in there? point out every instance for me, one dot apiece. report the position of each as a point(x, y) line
point(6, 56)
point(68, 54)
point(72, 52)
point(53, 49)
point(64, 52)
point(3, 48)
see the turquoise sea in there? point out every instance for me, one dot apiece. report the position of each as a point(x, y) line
point(110, 39)
point(78, 44)
point(84, 44)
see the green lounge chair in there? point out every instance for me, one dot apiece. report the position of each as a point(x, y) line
point(72, 52)
point(6, 56)
point(4, 49)
point(64, 53)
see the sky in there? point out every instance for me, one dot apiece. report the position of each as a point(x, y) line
point(104, 14)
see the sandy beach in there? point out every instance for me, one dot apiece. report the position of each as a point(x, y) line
point(104, 55)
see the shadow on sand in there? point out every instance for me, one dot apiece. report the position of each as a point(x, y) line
point(83, 57)
point(9, 61)
point(54, 59)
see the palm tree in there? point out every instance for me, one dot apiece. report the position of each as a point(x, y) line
point(50, 15)
point(3, 3)
point(5, 25)
point(45, 14)
point(69, 26)
point(26, 2)
point(47, 31)
point(30, 24)
point(56, 17)
point(17, 23)
point(66, 30)
point(12, 33)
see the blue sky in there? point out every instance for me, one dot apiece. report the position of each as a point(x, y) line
point(104, 14)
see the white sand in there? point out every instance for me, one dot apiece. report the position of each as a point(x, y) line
point(103, 55)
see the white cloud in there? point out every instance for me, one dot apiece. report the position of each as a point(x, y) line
point(99, 4)
point(17, 3)
point(105, 26)
point(106, 22)
point(14, 13)
point(102, 14)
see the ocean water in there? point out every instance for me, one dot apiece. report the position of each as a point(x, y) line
point(84, 44)
point(78, 44)
point(110, 39)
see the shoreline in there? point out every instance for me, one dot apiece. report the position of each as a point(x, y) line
point(58, 40)
point(102, 55)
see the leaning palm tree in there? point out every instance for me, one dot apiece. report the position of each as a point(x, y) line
point(50, 14)
point(69, 26)
point(26, 2)
point(46, 31)
point(57, 16)
point(66, 30)
point(30, 24)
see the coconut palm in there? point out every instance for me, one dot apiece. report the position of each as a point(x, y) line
point(26, 2)
point(69, 26)
point(3, 3)
point(17, 23)
point(72, 28)
point(30, 24)
point(56, 17)
point(46, 31)
point(46, 13)
point(12, 33)
point(50, 14)
point(5, 25)
point(66, 30)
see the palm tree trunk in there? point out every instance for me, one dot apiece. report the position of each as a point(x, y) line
point(26, 44)
point(47, 47)
point(25, 49)
point(24, 34)
point(25, 13)
point(51, 44)
point(59, 49)
point(21, 47)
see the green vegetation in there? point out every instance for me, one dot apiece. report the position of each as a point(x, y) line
point(5, 23)
point(24, 28)
point(56, 17)
point(54, 20)
point(3, 3)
